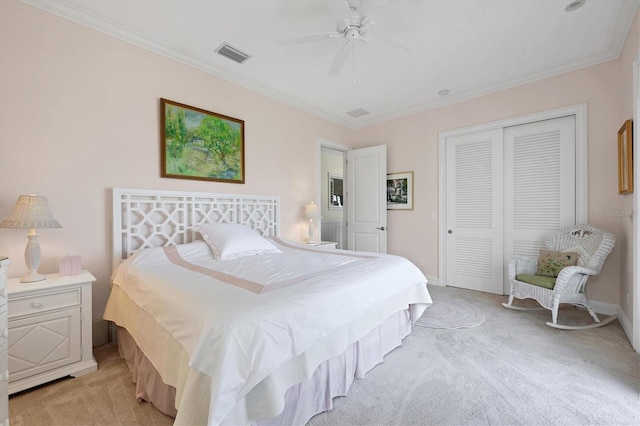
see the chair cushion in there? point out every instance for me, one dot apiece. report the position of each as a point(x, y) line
point(538, 280)
point(550, 263)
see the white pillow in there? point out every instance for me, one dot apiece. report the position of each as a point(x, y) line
point(231, 240)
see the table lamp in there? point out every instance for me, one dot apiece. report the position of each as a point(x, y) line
point(312, 213)
point(31, 212)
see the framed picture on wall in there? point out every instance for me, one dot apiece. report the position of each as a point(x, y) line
point(625, 158)
point(400, 191)
point(200, 144)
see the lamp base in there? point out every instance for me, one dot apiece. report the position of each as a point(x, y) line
point(33, 277)
point(312, 232)
point(32, 259)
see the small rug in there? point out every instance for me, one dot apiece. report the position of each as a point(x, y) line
point(451, 314)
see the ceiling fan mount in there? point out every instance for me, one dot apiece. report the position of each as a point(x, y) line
point(354, 29)
point(352, 33)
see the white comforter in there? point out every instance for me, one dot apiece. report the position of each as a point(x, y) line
point(241, 319)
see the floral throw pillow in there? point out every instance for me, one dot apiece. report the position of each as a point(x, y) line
point(551, 262)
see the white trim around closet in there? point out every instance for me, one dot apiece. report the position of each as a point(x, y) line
point(634, 333)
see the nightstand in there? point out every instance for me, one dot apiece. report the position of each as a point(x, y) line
point(325, 245)
point(49, 329)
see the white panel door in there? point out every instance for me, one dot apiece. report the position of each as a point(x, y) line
point(367, 203)
point(474, 211)
point(540, 183)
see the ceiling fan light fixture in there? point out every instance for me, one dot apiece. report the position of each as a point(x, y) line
point(359, 112)
point(574, 5)
point(352, 34)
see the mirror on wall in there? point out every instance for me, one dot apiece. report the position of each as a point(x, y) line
point(336, 197)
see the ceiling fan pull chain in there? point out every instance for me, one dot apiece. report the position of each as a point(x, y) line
point(354, 62)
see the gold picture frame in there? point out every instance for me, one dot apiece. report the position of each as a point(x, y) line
point(200, 144)
point(625, 158)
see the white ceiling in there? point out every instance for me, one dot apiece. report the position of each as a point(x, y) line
point(469, 47)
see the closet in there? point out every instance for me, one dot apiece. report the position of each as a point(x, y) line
point(505, 186)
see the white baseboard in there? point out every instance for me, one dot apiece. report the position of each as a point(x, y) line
point(604, 308)
point(100, 329)
point(611, 309)
point(434, 281)
point(626, 324)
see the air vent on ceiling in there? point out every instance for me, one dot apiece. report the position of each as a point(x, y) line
point(358, 112)
point(232, 53)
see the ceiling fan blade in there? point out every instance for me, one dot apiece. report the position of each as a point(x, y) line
point(309, 38)
point(390, 40)
point(339, 59)
point(347, 9)
point(340, 8)
point(369, 13)
point(366, 24)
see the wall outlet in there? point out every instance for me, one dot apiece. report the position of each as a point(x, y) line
point(421, 261)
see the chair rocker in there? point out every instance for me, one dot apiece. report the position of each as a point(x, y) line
point(592, 247)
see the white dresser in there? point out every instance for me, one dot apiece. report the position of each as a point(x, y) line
point(4, 370)
point(49, 329)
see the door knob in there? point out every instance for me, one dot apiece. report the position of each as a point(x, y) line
point(382, 228)
point(449, 231)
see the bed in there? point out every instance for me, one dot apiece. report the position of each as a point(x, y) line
point(223, 322)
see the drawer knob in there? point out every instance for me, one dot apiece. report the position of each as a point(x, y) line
point(36, 304)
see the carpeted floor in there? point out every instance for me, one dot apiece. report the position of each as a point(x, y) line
point(451, 313)
point(510, 370)
point(105, 397)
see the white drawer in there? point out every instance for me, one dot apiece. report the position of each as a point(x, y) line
point(4, 363)
point(42, 343)
point(3, 296)
point(4, 330)
point(44, 302)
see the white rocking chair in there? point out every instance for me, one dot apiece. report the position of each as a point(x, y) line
point(592, 246)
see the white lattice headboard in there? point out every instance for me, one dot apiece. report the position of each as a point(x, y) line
point(147, 218)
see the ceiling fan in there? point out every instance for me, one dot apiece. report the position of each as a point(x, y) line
point(352, 28)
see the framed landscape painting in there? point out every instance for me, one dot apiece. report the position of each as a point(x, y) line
point(400, 191)
point(200, 144)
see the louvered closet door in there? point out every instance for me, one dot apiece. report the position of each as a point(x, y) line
point(474, 190)
point(540, 183)
point(505, 190)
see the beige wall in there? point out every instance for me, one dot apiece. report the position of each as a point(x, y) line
point(79, 115)
point(413, 145)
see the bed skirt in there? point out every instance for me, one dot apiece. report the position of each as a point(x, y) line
point(330, 379)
